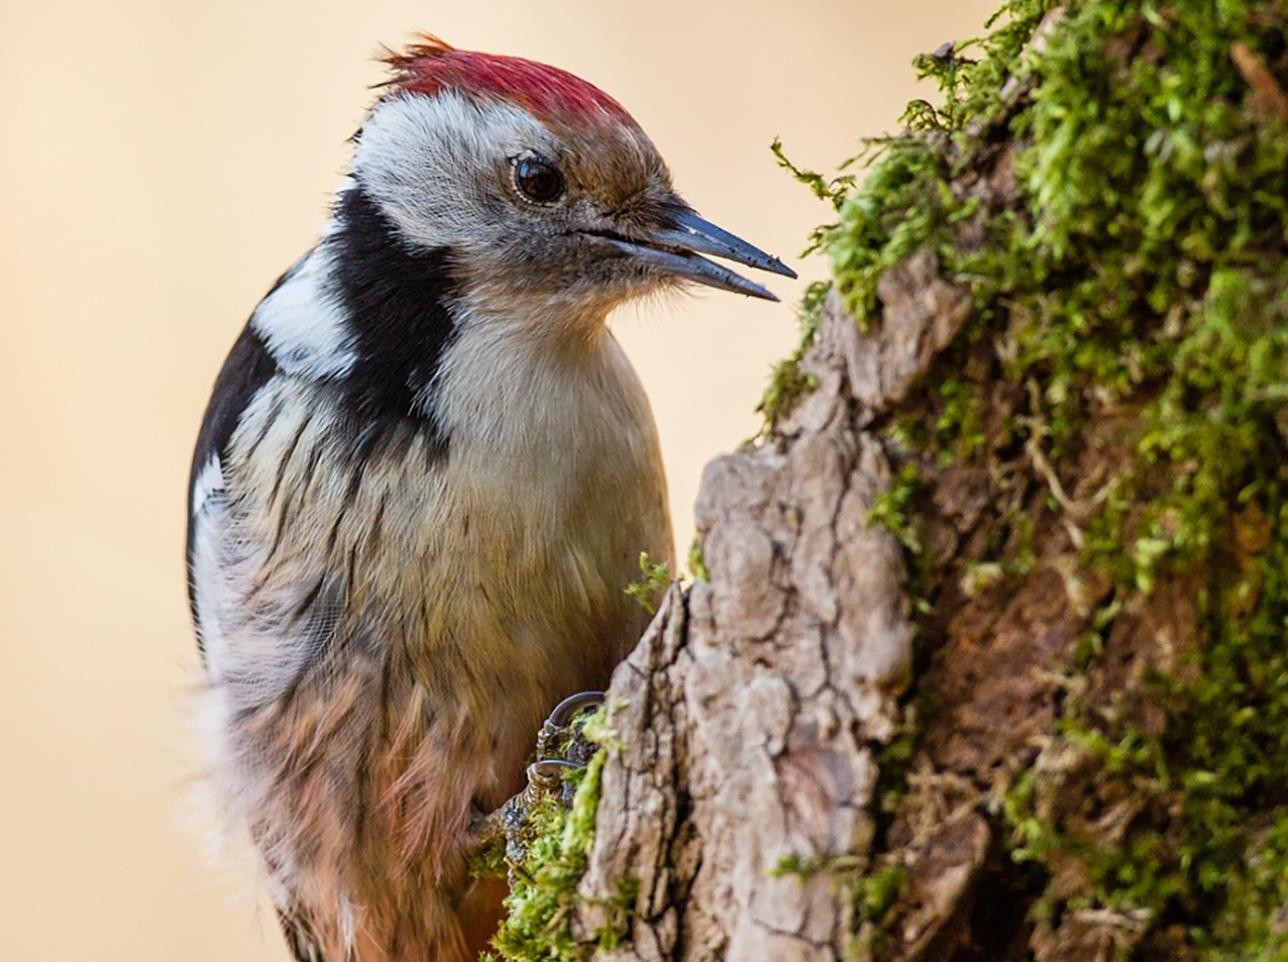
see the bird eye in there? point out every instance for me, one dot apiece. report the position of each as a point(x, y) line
point(538, 179)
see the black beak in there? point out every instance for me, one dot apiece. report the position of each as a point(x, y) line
point(675, 247)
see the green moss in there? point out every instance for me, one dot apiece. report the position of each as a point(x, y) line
point(904, 205)
point(1141, 277)
point(787, 384)
point(894, 762)
point(1157, 273)
point(835, 190)
point(539, 908)
point(596, 730)
point(1215, 781)
point(489, 860)
point(875, 893)
point(552, 855)
point(654, 581)
point(697, 564)
point(620, 909)
point(808, 866)
point(895, 508)
point(788, 381)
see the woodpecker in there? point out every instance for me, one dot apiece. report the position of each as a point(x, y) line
point(425, 476)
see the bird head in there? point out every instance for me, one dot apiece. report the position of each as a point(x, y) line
point(543, 191)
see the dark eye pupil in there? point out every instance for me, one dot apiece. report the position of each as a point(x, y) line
point(538, 179)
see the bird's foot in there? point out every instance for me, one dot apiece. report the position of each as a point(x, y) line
point(561, 748)
point(561, 744)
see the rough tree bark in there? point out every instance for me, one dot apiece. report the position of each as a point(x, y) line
point(749, 714)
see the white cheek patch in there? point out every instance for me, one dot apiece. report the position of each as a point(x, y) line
point(431, 163)
point(303, 321)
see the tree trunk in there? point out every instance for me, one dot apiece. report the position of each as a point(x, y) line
point(750, 714)
point(989, 660)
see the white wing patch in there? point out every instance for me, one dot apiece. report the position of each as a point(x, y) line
point(303, 322)
point(209, 483)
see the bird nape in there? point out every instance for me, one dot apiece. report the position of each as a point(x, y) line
point(423, 482)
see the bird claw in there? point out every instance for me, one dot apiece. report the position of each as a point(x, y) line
point(559, 726)
point(555, 759)
point(560, 748)
point(546, 774)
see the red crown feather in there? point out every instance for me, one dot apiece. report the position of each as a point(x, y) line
point(430, 65)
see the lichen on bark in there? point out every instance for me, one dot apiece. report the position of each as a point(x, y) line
point(988, 660)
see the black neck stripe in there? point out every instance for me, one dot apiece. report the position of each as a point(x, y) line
point(395, 299)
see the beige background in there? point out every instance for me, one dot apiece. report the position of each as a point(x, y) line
point(162, 162)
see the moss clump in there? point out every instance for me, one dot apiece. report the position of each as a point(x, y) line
point(808, 866)
point(1136, 275)
point(547, 853)
point(1157, 276)
point(620, 909)
point(652, 585)
point(875, 894)
point(697, 563)
point(538, 923)
point(895, 508)
point(872, 890)
point(489, 860)
point(788, 382)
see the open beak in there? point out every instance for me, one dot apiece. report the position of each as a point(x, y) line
point(676, 247)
